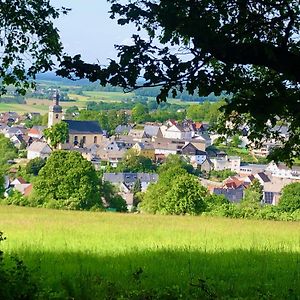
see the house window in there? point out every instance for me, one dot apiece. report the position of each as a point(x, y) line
point(56, 116)
point(95, 139)
point(83, 139)
point(269, 197)
point(75, 140)
point(68, 139)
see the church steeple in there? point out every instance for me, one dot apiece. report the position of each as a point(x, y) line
point(55, 110)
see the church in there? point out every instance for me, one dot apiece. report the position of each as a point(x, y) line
point(82, 134)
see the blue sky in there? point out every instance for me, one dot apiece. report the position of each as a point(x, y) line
point(88, 30)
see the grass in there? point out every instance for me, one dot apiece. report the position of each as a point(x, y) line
point(85, 254)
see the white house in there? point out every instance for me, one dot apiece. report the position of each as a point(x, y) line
point(227, 163)
point(282, 171)
point(196, 156)
point(38, 149)
point(178, 132)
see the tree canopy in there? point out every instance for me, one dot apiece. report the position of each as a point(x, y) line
point(57, 133)
point(7, 151)
point(176, 192)
point(290, 198)
point(70, 180)
point(247, 49)
point(132, 162)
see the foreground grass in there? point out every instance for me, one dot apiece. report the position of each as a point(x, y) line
point(93, 255)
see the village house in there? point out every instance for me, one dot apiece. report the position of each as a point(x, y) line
point(226, 163)
point(248, 169)
point(273, 189)
point(36, 132)
point(125, 183)
point(232, 188)
point(194, 155)
point(14, 130)
point(138, 134)
point(18, 141)
point(130, 178)
point(122, 129)
point(153, 130)
point(282, 171)
point(38, 149)
point(145, 149)
point(179, 132)
point(9, 117)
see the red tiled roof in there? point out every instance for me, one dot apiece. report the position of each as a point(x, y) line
point(233, 183)
point(34, 131)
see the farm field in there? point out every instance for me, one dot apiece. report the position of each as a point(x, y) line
point(85, 255)
point(23, 108)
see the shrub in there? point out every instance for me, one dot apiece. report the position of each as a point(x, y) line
point(15, 278)
point(290, 199)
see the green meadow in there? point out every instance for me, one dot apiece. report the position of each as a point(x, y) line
point(90, 255)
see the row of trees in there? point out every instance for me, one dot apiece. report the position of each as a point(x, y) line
point(110, 118)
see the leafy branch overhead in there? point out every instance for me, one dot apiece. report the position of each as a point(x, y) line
point(29, 41)
point(249, 49)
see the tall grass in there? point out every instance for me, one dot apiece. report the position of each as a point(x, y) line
point(85, 254)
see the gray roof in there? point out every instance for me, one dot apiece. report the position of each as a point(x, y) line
point(84, 127)
point(151, 130)
point(284, 130)
point(41, 147)
point(121, 129)
point(130, 177)
point(233, 195)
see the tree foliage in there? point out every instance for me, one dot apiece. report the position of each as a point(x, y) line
point(27, 35)
point(35, 165)
point(7, 151)
point(175, 161)
point(69, 179)
point(57, 133)
point(254, 193)
point(140, 113)
point(135, 163)
point(111, 197)
point(248, 49)
point(176, 192)
point(290, 198)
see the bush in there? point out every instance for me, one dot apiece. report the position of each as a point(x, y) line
point(16, 280)
point(221, 175)
point(35, 165)
point(290, 198)
point(267, 212)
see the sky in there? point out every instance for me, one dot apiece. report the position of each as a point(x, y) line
point(88, 30)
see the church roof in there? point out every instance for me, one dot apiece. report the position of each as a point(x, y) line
point(56, 108)
point(84, 127)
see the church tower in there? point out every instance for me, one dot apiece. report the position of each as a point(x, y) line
point(55, 111)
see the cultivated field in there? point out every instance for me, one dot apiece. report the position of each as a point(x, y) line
point(98, 255)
